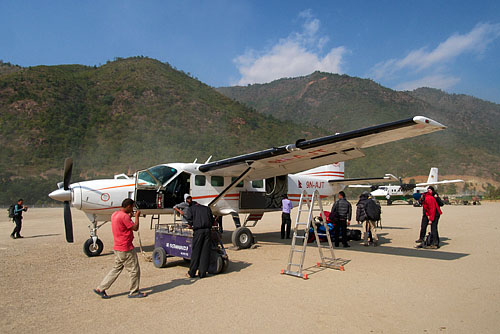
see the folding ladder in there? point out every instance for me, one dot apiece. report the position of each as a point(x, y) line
point(301, 233)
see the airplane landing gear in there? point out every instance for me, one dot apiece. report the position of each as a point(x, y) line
point(93, 246)
point(93, 249)
point(242, 237)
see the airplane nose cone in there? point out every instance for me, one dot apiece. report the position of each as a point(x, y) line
point(61, 195)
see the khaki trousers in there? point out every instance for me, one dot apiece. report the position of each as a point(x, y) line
point(129, 261)
point(370, 225)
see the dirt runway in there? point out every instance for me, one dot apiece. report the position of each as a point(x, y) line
point(394, 288)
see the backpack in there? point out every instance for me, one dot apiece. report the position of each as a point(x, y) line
point(373, 210)
point(439, 200)
point(11, 210)
point(360, 212)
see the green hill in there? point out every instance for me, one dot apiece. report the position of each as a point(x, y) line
point(119, 117)
point(338, 103)
point(137, 112)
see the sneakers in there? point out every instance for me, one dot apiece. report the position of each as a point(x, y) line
point(12, 236)
point(419, 241)
point(431, 247)
point(366, 244)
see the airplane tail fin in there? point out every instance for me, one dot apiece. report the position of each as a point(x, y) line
point(433, 175)
point(331, 171)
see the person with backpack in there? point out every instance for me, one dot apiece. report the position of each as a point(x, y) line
point(370, 212)
point(18, 218)
point(431, 214)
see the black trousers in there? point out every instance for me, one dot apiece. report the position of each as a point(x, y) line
point(200, 253)
point(286, 222)
point(340, 227)
point(434, 228)
point(19, 223)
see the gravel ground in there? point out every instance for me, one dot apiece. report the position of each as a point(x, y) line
point(393, 288)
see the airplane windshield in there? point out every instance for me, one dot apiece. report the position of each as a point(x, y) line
point(160, 173)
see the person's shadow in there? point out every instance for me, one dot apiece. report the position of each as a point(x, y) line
point(233, 266)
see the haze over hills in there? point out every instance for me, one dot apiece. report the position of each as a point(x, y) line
point(137, 112)
point(125, 115)
point(338, 103)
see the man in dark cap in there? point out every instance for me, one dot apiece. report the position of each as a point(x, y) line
point(201, 219)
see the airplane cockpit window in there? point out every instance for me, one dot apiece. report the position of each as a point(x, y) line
point(157, 174)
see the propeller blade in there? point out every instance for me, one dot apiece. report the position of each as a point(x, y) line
point(68, 222)
point(68, 168)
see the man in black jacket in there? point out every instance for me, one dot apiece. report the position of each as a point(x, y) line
point(201, 219)
point(18, 219)
point(341, 213)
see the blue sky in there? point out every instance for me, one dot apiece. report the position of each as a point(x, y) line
point(450, 45)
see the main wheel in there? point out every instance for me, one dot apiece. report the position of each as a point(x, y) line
point(242, 237)
point(93, 250)
point(159, 257)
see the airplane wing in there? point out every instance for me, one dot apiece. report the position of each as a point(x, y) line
point(307, 154)
point(353, 183)
point(438, 182)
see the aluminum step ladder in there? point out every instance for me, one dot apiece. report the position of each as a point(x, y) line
point(301, 234)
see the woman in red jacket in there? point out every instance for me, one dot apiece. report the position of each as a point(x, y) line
point(433, 212)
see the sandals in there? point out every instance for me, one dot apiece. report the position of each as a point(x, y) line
point(138, 295)
point(102, 293)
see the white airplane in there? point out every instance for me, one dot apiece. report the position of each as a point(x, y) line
point(405, 191)
point(247, 184)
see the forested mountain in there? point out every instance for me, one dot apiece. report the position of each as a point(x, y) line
point(338, 103)
point(137, 112)
point(122, 116)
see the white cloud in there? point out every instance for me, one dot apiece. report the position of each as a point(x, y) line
point(298, 54)
point(475, 41)
point(435, 81)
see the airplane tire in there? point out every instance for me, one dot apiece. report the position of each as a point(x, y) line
point(159, 257)
point(242, 237)
point(90, 250)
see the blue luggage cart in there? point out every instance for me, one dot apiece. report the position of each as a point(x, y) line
point(176, 239)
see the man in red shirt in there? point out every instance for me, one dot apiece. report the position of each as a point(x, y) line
point(125, 255)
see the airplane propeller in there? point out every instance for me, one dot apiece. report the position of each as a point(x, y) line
point(68, 222)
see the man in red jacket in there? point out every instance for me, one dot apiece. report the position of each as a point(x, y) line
point(432, 212)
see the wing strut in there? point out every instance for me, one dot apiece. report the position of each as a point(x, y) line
point(233, 184)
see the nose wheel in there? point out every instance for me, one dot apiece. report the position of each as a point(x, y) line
point(93, 246)
point(93, 249)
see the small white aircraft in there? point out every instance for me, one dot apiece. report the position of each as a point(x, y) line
point(405, 191)
point(247, 184)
